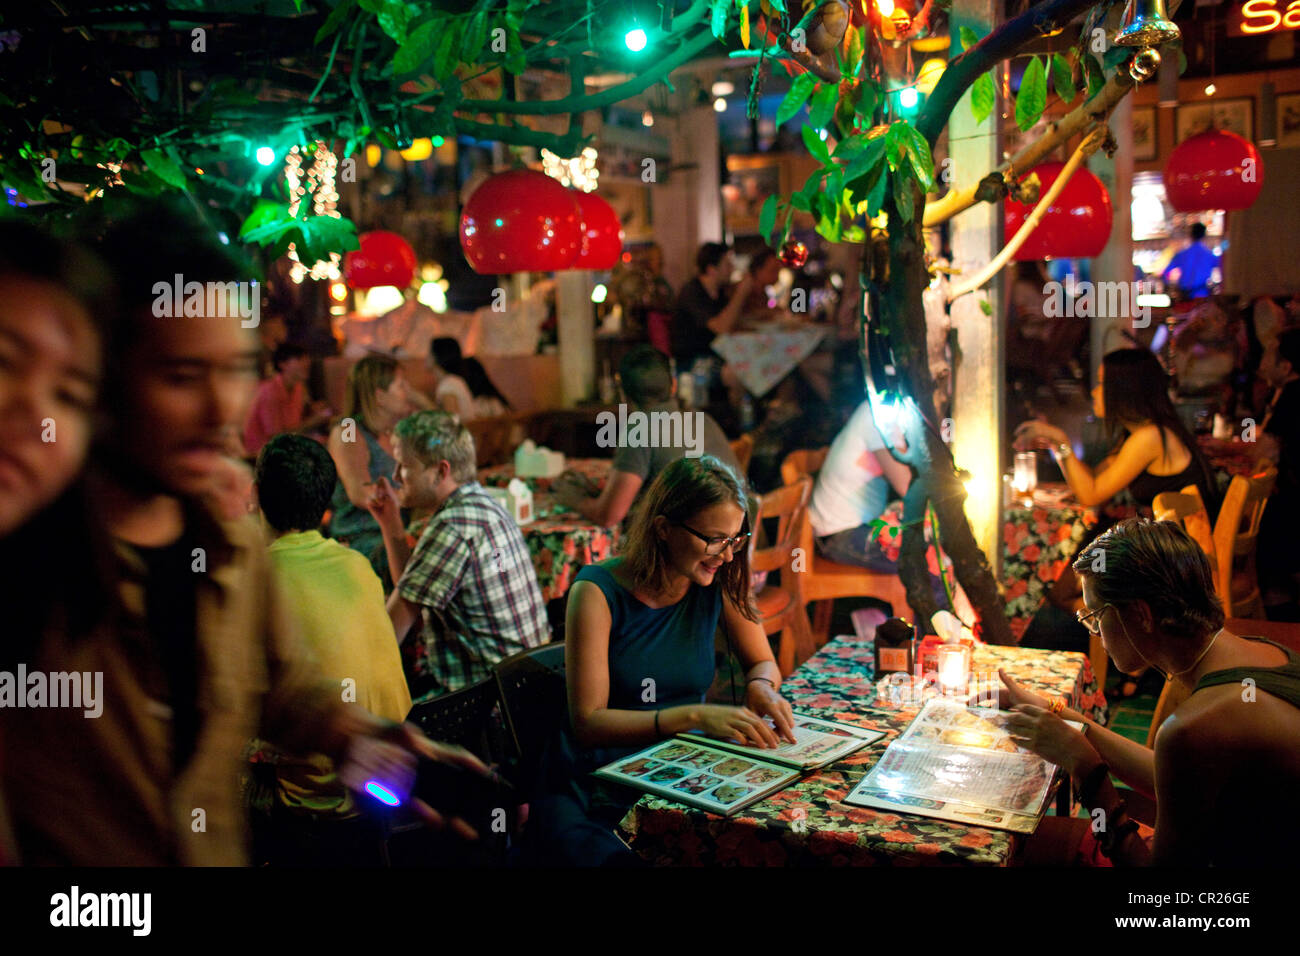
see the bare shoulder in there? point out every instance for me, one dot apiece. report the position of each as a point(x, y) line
point(1229, 719)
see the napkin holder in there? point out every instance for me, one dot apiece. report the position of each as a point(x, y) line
point(517, 499)
point(534, 462)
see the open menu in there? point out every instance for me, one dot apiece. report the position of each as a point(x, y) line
point(960, 764)
point(699, 775)
point(817, 743)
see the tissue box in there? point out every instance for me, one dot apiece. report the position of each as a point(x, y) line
point(517, 499)
point(534, 462)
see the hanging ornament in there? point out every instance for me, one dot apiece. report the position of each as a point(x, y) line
point(1075, 226)
point(385, 258)
point(1144, 64)
point(602, 233)
point(793, 254)
point(521, 221)
point(1213, 170)
point(829, 23)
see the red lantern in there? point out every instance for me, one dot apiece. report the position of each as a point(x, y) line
point(1213, 170)
point(793, 254)
point(1075, 226)
point(602, 233)
point(521, 221)
point(385, 258)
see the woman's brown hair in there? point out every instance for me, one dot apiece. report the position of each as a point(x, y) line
point(682, 490)
point(370, 374)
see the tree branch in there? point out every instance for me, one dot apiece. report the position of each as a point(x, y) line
point(1002, 43)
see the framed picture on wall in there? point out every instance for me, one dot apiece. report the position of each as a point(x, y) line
point(1145, 145)
point(753, 179)
point(1288, 120)
point(1235, 116)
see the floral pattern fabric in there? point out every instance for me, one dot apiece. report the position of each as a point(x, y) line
point(761, 359)
point(808, 823)
point(594, 469)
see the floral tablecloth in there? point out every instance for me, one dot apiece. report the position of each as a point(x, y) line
point(1038, 542)
point(761, 359)
point(595, 469)
point(561, 543)
point(808, 824)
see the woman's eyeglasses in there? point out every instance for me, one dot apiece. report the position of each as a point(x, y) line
point(715, 546)
point(1091, 620)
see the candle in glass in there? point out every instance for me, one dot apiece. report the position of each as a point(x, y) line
point(1026, 473)
point(954, 666)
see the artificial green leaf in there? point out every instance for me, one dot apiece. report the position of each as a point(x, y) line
point(834, 187)
point(335, 18)
point(394, 17)
point(1095, 74)
point(164, 167)
point(986, 307)
point(142, 184)
point(1115, 56)
point(873, 150)
point(856, 48)
point(1032, 98)
point(515, 62)
point(816, 145)
point(1063, 78)
point(983, 96)
point(846, 112)
point(767, 219)
point(719, 22)
point(475, 37)
point(968, 38)
point(903, 196)
point(264, 213)
point(866, 105)
point(318, 236)
point(444, 57)
point(417, 49)
point(372, 6)
point(876, 197)
point(794, 100)
point(918, 153)
point(785, 230)
point(895, 147)
point(823, 105)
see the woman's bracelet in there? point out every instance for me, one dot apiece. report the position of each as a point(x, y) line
point(1056, 705)
point(768, 679)
point(658, 733)
point(1064, 451)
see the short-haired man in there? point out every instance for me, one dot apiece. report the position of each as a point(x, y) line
point(336, 600)
point(704, 309)
point(648, 386)
point(280, 404)
point(470, 576)
point(1226, 762)
point(1193, 267)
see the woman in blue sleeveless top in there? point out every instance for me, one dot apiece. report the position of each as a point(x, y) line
point(639, 653)
point(377, 399)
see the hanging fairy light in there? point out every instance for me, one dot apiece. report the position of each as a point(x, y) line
point(580, 172)
point(315, 184)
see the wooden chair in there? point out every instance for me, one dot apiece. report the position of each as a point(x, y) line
point(743, 449)
point(1235, 535)
point(495, 439)
point(779, 608)
point(825, 580)
point(1188, 510)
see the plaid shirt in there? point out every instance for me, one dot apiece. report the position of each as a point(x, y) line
point(473, 578)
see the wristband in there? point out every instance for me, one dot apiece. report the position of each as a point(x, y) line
point(658, 733)
point(768, 679)
point(1064, 451)
point(1057, 705)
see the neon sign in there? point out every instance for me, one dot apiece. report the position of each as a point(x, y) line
point(1265, 16)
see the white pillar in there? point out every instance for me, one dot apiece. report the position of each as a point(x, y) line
point(577, 336)
point(1115, 264)
point(981, 375)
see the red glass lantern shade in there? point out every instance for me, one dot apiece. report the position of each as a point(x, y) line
point(602, 233)
point(1075, 226)
point(385, 258)
point(521, 221)
point(1213, 170)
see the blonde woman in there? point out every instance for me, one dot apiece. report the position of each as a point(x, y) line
point(361, 446)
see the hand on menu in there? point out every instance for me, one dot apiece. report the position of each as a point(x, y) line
point(1013, 693)
point(1047, 735)
point(766, 701)
point(736, 723)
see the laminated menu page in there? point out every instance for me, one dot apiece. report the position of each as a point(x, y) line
point(699, 775)
point(817, 743)
point(960, 764)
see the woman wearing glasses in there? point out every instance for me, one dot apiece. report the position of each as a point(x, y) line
point(1226, 762)
point(639, 652)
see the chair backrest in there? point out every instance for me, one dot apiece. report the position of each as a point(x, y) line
point(743, 449)
point(495, 439)
point(464, 717)
point(789, 505)
point(533, 694)
point(806, 461)
point(1237, 528)
point(1188, 509)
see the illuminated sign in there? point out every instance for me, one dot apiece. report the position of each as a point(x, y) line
point(1264, 16)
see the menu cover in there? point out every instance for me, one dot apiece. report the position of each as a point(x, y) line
point(817, 743)
point(699, 775)
point(960, 764)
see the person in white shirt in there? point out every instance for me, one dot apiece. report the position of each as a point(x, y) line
point(451, 393)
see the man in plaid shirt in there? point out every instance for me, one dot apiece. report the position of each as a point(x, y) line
point(470, 576)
